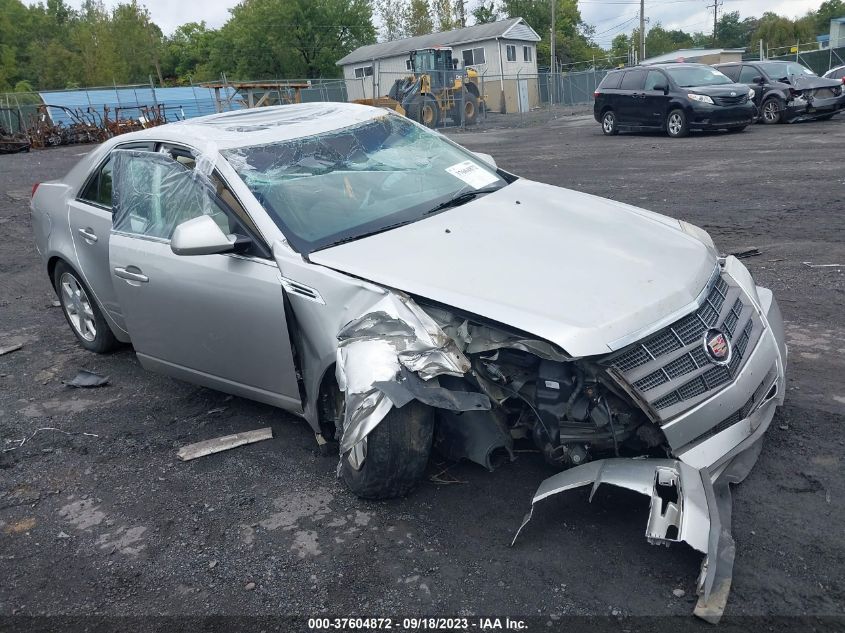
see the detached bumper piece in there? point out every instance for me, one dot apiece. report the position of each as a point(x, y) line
point(686, 505)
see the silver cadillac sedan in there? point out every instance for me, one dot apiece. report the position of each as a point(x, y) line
point(403, 294)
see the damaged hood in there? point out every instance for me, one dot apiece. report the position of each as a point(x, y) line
point(808, 82)
point(580, 271)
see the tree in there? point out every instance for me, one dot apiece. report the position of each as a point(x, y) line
point(485, 13)
point(568, 38)
point(659, 41)
point(442, 10)
point(825, 13)
point(418, 20)
point(392, 14)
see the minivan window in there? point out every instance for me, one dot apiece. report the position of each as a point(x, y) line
point(748, 74)
point(633, 80)
point(655, 78)
point(689, 76)
point(611, 81)
point(732, 72)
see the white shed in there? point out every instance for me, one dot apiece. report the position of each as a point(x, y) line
point(504, 53)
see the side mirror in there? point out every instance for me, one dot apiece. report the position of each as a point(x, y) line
point(487, 159)
point(200, 236)
point(757, 80)
point(661, 88)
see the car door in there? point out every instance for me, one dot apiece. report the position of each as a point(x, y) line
point(216, 320)
point(747, 76)
point(655, 102)
point(90, 220)
point(631, 98)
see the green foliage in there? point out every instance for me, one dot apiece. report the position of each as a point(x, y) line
point(485, 12)
point(418, 18)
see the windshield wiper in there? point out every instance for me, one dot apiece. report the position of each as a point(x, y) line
point(461, 198)
point(358, 236)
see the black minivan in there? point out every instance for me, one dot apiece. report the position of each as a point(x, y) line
point(676, 98)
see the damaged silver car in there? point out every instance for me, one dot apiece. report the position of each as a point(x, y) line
point(402, 294)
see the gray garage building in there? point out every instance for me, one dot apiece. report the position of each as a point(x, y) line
point(504, 53)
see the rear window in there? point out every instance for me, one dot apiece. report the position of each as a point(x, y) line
point(633, 80)
point(732, 72)
point(611, 81)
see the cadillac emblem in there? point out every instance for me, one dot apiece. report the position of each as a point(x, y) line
point(717, 346)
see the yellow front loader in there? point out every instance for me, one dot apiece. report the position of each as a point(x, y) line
point(436, 91)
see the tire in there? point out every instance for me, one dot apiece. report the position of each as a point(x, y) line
point(609, 125)
point(470, 105)
point(424, 109)
point(676, 124)
point(771, 111)
point(397, 454)
point(81, 311)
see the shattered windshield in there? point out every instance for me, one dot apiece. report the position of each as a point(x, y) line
point(697, 76)
point(342, 185)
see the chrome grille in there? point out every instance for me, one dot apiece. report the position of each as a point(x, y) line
point(671, 370)
point(743, 412)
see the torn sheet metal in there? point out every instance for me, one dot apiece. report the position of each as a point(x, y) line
point(686, 505)
point(374, 349)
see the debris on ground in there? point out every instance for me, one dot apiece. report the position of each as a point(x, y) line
point(249, 586)
point(10, 349)
point(87, 380)
point(812, 265)
point(679, 593)
point(45, 428)
point(218, 444)
point(748, 252)
point(56, 303)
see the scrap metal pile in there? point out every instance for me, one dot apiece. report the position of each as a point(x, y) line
point(80, 125)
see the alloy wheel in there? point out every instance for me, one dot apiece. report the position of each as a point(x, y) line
point(770, 111)
point(676, 124)
point(78, 307)
point(609, 122)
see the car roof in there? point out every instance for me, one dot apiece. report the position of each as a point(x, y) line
point(260, 126)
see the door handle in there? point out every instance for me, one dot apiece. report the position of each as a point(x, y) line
point(131, 275)
point(88, 234)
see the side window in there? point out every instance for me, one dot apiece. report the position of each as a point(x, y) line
point(154, 194)
point(527, 54)
point(511, 51)
point(655, 78)
point(633, 80)
point(98, 189)
point(748, 74)
point(611, 81)
point(840, 74)
point(732, 72)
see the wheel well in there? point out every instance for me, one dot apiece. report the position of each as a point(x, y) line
point(51, 266)
point(330, 405)
point(472, 88)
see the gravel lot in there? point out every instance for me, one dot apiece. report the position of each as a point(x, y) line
point(114, 524)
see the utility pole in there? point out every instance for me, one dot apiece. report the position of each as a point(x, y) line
point(642, 30)
point(552, 39)
point(715, 7)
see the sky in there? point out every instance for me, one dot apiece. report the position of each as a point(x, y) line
point(610, 17)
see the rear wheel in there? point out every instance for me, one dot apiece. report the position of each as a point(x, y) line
point(81, 311)
point(772, 112)
point(608, 123)
point(397, 454)
point(425, 110)
point(676, 124)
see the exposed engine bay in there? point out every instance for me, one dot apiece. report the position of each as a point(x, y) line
point(571, 409)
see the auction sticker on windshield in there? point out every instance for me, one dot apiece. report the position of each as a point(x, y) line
point(472, 174)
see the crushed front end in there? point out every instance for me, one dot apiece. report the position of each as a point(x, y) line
point(676, 412)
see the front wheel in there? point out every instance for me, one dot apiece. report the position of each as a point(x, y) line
point(676, 124)
point(424, 109)
point(772, 111)
point(608, 123)
point(397, 454)
point(82, 312)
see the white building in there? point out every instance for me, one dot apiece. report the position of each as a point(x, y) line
point(504, 53)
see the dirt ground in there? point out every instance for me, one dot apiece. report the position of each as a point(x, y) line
point(112, 524)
